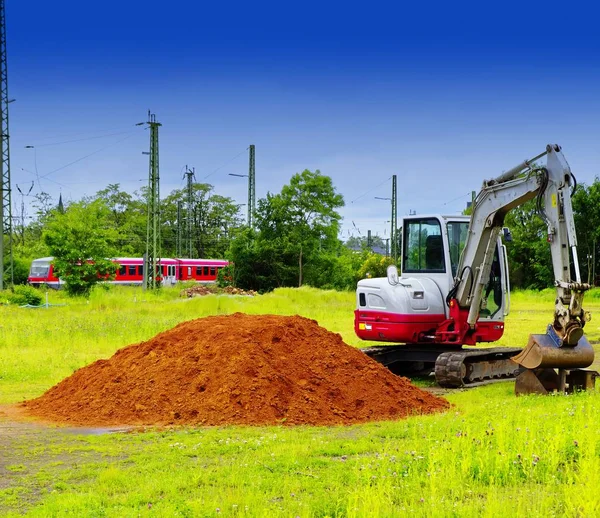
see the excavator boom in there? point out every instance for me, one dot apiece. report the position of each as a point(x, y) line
point(564, 345)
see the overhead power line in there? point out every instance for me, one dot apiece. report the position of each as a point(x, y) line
point(456, 199)
point(84, 157)
point(81, 134)
point(226, 163)
point(84, 139)
point(371, 190)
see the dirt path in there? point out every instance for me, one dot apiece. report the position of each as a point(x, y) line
point(34, 457)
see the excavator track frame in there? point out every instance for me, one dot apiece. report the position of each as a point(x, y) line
point(466, 368)
point(453, 367)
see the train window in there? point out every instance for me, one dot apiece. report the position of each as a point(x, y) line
point(189, 271)
point(172, 270)
point(122, 270)
point(140, 269)
point(132, 269)
point(213, 271)
point(206, 271)
point(198, 270)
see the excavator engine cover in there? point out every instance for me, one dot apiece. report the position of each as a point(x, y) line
point(548, 352)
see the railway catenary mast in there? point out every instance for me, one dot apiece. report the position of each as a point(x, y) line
point(394, 233)
point(191, 176)
point(251, 185)
point(179, 228)
point(6, 241)
point(152, 258)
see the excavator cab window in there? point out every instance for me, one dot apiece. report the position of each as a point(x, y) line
point(491, 300)
point(457, 237)
point(424, 250)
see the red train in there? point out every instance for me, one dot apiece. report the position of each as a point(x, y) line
point(131, 271)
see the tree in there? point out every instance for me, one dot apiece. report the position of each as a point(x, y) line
point(529, 256)
point(295, 240)
point(302, 219)
point(259, 264)
point(126, 215)
point(82, 240)
point(213, 218)
point(362, 242)
point(374, 265)
point(586, 208)
point(529, 252)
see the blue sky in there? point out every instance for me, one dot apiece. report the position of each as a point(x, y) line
point(442, 95)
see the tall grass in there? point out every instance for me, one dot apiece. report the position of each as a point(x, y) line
point(491, 454)
point(39, 347)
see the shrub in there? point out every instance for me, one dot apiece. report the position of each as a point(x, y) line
point(375, 265)
point(23, 294)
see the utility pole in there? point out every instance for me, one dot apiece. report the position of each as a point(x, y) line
point(191, 176)
point(251, 185)
point(393, 235)
point(591, 257)
point(6, 240)
point(23, 211)
point(179, 227)
point(152, 258)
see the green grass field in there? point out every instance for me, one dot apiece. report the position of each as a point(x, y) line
point(491, 454)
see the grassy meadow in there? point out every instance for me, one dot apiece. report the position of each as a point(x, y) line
point(492, 453)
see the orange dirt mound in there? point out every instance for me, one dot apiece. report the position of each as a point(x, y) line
point(235, 369)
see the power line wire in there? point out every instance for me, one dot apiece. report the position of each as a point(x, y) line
point(79, 133)
point(226, 163)
point(457, 198)
point(84, 157)
point(38, 178)
point(84, 139)
point(371, 190)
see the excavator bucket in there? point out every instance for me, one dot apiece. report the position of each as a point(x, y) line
point(551, 365)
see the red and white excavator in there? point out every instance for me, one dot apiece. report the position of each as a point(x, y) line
point(454, 290)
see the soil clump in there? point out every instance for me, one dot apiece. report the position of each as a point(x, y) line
point(235, 369)
point(201, 290)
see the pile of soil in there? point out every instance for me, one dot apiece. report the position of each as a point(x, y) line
point(235, 369)
point(197, 291)
point(202, 289)
point(230, 290)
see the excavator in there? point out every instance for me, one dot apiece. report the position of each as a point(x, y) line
point(454, 291)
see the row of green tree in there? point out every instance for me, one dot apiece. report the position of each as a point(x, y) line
point(529, 252)
point(294, 240)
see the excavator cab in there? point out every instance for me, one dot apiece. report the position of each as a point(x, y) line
point(416, 308)
point(412, 308)
point(432, 246)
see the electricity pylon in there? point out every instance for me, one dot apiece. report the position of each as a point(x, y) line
point(6, 240)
